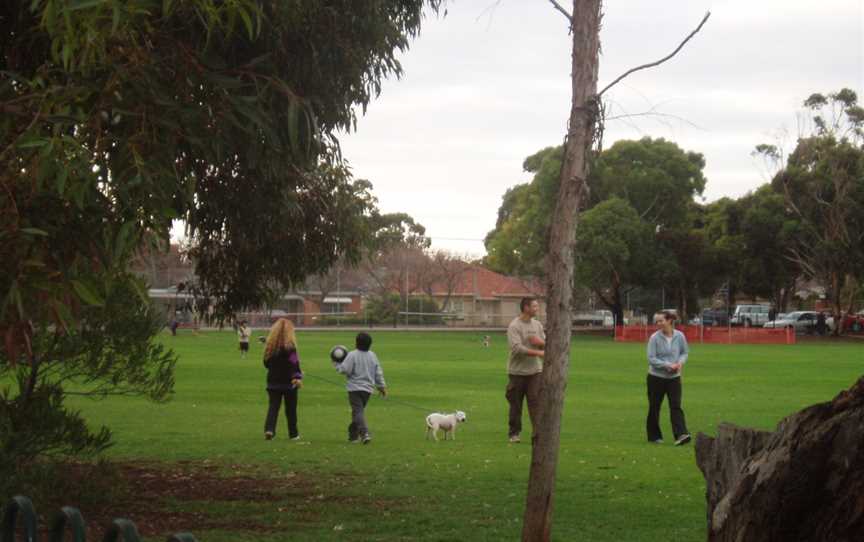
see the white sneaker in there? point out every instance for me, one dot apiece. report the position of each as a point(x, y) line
point(295, 438)
point(515, 439)
point(683, 439)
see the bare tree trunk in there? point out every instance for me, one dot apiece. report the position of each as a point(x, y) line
point(788, 292)
point(682, 303)
point(837, 282)
point(537, 524)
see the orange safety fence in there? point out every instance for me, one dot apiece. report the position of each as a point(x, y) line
point(712, 335)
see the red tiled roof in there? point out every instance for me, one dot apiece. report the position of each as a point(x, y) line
point(490, 284)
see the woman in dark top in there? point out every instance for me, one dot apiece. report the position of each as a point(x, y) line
point(284, 377)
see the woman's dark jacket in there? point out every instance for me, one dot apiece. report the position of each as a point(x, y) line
point(283, 366)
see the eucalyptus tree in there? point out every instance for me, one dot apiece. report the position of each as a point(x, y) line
point(585, 113)
point(822, 181)
point(118, 117)
point(517, 244)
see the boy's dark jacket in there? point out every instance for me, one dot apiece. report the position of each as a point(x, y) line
point(283, 366)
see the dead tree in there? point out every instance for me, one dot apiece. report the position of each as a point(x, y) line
point(585, 28)
point(803, 482)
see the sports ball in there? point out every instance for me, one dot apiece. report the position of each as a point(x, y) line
point(338, 353)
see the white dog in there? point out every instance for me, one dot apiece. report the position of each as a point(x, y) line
point(445, 422)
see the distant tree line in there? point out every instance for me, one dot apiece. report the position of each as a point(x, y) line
point(643, 228)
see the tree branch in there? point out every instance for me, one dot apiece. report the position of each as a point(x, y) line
point(658, 62)
point(653, 113)
point(603, 299)
point(562, 10)
point(653, 203)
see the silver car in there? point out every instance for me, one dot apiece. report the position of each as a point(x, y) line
point(800, 321)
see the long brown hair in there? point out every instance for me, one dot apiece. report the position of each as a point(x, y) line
point(281, 336)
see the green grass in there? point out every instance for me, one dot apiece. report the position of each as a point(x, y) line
point(611, 484)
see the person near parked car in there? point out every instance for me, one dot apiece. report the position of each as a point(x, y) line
point(667, 354)
point(821, 325)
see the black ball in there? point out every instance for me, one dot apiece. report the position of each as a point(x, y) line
point(338, 353)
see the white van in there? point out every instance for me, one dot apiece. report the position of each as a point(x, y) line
point(750, 315)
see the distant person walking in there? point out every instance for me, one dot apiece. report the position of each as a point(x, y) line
point(243, 333)
point(284, 377)
point(527, 340)
point(667, 354)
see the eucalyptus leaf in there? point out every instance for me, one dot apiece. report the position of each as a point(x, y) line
point(87, 293)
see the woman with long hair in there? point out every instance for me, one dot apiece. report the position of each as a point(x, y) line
point(284, 377)
point(667, 354)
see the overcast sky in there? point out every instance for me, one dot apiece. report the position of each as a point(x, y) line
point(484, 88)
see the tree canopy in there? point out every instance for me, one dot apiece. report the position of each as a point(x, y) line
point(518, 242)
point(120, 116)
point(637, 189)
point(614, 251)
point(657, 177)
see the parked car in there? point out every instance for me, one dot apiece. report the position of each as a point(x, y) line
point(853, 323)
point(599, 318)
point(800, 321)
point(715, 317)
point(750, 315)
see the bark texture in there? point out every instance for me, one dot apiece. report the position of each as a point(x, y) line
point(803, 482)
point(537, 525)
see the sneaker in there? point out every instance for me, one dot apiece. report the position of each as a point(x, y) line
point(656, 441)
point(683, 439)
point(515, 439)
point(268, 435)
point(354, 440)
point(366, 439)
point(295, 438)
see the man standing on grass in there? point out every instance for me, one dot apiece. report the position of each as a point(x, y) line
point(525, 367)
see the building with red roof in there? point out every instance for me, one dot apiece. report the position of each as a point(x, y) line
point(477, 296)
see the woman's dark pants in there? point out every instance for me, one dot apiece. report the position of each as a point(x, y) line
point(276, 397)
point(657, 389)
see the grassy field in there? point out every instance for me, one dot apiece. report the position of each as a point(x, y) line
point(612, 485)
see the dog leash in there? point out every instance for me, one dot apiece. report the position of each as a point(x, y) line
point(388, 397)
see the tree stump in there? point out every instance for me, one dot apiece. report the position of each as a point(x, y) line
point(803, 482)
